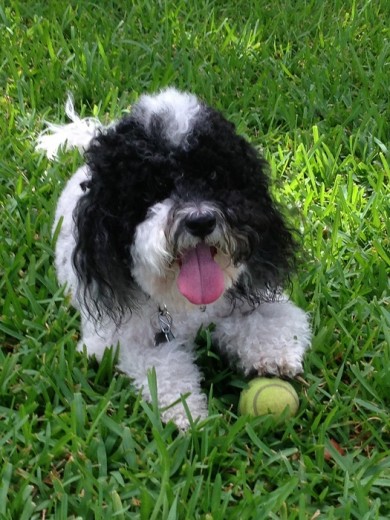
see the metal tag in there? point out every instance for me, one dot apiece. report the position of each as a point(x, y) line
point(165, 324)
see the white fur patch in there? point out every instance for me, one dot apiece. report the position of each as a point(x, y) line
point(178, 111)
point(150, 249)
point(77, 134)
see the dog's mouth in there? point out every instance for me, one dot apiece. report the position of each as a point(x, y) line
point(201, 279)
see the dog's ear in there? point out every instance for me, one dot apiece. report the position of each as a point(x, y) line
point(266, 243)
point(101, 261)
point(274, 255)
point(269, 254)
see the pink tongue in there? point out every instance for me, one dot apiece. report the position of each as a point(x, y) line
point(200, 279)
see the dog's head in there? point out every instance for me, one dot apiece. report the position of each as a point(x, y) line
point(178, 209)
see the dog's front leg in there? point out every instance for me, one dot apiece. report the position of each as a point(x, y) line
point(271, 339)
point(177, 377)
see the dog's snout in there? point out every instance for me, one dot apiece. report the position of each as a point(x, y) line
point(201, 224)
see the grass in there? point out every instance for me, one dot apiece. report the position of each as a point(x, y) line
point(308, 83)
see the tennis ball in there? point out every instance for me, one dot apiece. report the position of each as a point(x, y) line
point(268, 396)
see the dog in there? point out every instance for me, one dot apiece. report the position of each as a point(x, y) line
point(169, 226)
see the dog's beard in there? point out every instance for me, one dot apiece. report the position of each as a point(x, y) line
point(168, 259)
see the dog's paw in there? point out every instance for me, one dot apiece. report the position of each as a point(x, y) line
point(281, 367)
point(183, 416)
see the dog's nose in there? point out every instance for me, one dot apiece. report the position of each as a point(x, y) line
point(201, 224)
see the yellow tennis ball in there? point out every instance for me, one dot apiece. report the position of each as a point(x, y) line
point(268, 396)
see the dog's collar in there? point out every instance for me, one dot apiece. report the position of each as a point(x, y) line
point(164, 335)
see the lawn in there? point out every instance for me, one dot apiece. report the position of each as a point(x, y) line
point(308, 83)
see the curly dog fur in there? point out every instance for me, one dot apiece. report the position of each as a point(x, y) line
point(172, 216)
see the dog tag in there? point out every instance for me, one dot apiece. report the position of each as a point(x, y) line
point(162, 337)
point(165, 323)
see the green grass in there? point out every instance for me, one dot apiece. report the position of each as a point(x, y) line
point(308, 82)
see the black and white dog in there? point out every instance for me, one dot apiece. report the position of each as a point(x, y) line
point(170, 225)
